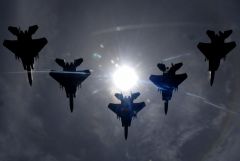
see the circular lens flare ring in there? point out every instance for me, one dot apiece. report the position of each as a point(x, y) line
point(125, 78)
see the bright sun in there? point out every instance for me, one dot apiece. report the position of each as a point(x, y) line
point(125, 78)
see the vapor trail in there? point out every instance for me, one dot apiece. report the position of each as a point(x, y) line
point(176, 57)
point(24, 72)
point(223, 108)
point(151, 25)
point(46, 71)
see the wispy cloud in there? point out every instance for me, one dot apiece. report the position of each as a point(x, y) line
point(205, 100)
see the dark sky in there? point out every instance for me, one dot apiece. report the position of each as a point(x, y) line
point(202, 123)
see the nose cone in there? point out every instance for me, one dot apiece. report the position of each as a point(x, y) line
point(125, 132)
point(30, 79)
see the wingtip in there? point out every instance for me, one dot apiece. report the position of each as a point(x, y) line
point(151, 78)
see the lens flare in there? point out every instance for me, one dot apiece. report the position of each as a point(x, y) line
point(125, 78)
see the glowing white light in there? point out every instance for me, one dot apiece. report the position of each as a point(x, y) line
point(125, 78)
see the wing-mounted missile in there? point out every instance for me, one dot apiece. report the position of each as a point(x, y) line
point(162, 67)
point(32, 29)
point(119, 96)
point(78, 62)
point(60, 62)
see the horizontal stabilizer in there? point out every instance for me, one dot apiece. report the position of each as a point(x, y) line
point(32, 29)
point(13, 30)
point(78, 62)
point(175, 67)
point(226, 34)
point(162, 67)
point(60, 62)
point(119, 96)
point(135, 95)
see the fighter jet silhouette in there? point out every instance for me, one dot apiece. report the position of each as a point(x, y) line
point(216, 50)
point(168, 82)
point(25, 48)
point(127, 109)
point(70, 78)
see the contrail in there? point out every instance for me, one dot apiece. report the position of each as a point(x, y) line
point(24, 72)
point(176, 57)
point(152, 25)
point(47, 71)
point(211, 103)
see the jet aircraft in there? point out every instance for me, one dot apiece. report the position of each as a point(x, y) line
point(70, 78)
point(127, 109)
point(25, 47)
point(168, 82)
point(216, 50)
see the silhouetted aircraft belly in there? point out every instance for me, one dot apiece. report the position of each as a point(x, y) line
point(25, 48)
point(168, 82)
point(126, 111)
point(73, 78)
point(26, 51)
point(214, 52)
point(70, 81)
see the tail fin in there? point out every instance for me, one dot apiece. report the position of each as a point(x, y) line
point(126, 132)
point(29, 76)
point(71, 102)
point(166, 107)
point(212, 77)
point(162, 67)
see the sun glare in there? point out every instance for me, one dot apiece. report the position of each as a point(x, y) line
point(125, 78)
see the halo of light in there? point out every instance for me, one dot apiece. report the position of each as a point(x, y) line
point(125, 78)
